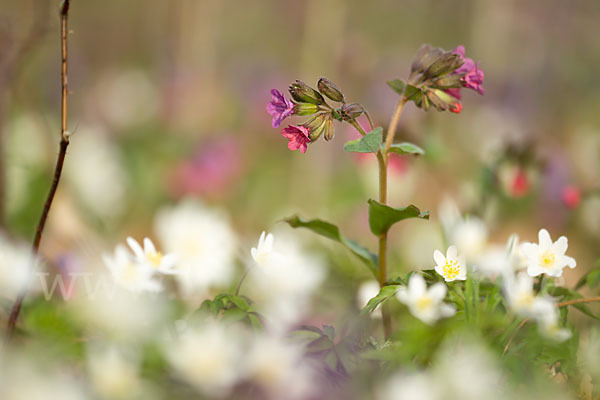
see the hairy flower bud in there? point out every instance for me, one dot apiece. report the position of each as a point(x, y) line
point(440, 99)
point(426, 55)
point(302, 109)
point(303, 93)
point(316, 125)
point(327, 88)
point(351, 111)
point(449, 82)
point(446, 63)
point(328, 131)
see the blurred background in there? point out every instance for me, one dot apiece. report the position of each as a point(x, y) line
point(168, 101)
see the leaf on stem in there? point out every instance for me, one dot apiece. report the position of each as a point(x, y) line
point(332, 232)
point(406, 148)
point(382, 217)
point(397, 86)
point(384, 294)
point(366, 144)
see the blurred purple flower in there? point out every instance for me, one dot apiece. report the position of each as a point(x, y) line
point(279, 107)
point(297, 136)
point(473, 78)
point(210, 171)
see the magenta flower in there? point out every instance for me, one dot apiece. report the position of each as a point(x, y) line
point(279, 107)
point(473, 78)
point(297, 136)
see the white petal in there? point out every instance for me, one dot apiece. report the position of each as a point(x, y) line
point(149, 246)
point(438, 291)
point(168, 261)
point(530, 250)
point(439, 258)
point(253, 252)
point(402, 295)
point(135, 246)
point(269, 242)
point(534, 270)
point(439, 270)
point(447, 310)
point(570, 261)
point(452, 252)
point(416, 285)
point(544, 239)
point(560, 246)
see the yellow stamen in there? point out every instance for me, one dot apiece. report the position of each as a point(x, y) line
point(155, 258)
point(451, 269)
point(423, 303)
point(547, 259)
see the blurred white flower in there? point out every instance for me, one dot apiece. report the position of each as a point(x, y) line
point(425, 304)
point(421, 386)
point(452, 266)
point(203, 242)
point(129, 273)
point(112, 374)
point(264, 250)
point(522, 299)
point(278, 367)
point(547, 318)
point(499, 260)
point(366, 292)
point(152, 258)
point(283, 278)
point(16, 263)
point(547, 257)
point(95, 172)
point(469, 235)
point(207, 357)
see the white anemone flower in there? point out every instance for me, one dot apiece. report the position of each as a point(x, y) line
point(452, 266)
point(547, 319)
point(152, 258)
point(112, 374)
point(16, 263)
point(129, 273)
point(547, 257)
point(522, 299)
point(425, 304)
point(366, 291)
point(264, 250)
point(420, 385)
point(207, 357)
point(203, 242)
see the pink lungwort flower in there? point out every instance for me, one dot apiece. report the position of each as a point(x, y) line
point(279, 107)
point(473, 78)
point(297, 136)
point(571, 196)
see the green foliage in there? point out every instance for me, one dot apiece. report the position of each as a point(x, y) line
point(231, 308)
point(366, 144)
point(591, 279)
point(332, 232)
point(397, 86)
point(406, 148)
point(386, 292)
point(382, 217)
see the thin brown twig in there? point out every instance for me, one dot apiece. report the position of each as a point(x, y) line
point(512, 337)
point(64, 143)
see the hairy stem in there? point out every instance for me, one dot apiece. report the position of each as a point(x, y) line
point(64, 143)
point(579, 301)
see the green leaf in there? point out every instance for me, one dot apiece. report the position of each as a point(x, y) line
point(592, 279)
point(332, 232)
point(382, 217)
point(366, 144)
point(397, 85)
point(406, 148)
point(384, 294)
point(413, 93)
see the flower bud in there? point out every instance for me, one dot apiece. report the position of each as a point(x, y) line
point(329, 131)
point(327, 88)
point(316, 125)
point(303, 93)
point(302, 109)
point(449, 82)
point(446, 63)
point(440, 99)
point(426, 55)
point(351, 111)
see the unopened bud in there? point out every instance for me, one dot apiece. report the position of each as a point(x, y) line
point(329, 130)
point(327, 88)
point(351, 111)
point(316, 125)
point(448, 62)
point(425, 56)
point(302, 109)
point(440, 99)
point(303, 93)
point(449, 81)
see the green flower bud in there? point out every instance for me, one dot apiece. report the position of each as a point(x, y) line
point(316, 125)
point(351, 111)
point(449, 81)
point(440, 99)
point(448, 62)
point(425, 56)
point(303, 93)
point(327, 88)
point(329, 131)
point(302, 109)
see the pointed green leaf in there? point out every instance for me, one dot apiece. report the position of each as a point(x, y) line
point(332, 232)
point(397, 85)
point(413, 93)
point(366, 144)
point(382, 217)
point(384, 294)
point(406, 148)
